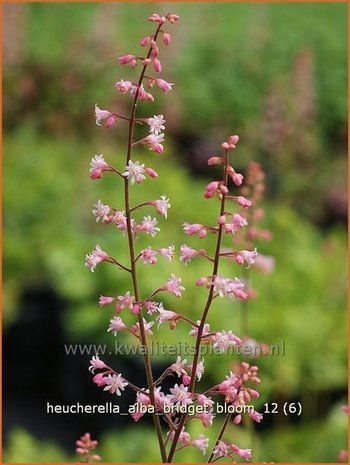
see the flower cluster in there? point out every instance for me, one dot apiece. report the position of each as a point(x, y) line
point(148, 313)
point(84, 447)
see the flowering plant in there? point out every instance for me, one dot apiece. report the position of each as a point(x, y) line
point(171, 410)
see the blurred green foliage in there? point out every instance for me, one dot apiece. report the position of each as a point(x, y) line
point(277, 74)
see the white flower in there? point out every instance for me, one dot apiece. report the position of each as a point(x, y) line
point(156, 124)
point(116, 324)
point(180, 395)
point(223, 340)
point(101, 211)
point(115, 384)
point(179, 366)
point(149, 225)
point(162, 205)
point(134, 172)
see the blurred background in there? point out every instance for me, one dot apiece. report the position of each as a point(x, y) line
point(273, 73)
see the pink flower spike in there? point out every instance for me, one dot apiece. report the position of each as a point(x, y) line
point(173, 286)
point(96, 364)
point(157, 65)
point(116, 325)
point(151, 172)
point(105, 300)
point(123, 86)
point(201, 443)
point(164, 85)
point(166, 38)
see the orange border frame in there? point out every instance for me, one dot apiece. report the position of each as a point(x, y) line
point(178, 1)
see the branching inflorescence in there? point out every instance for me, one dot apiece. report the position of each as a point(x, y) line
point(171, 410)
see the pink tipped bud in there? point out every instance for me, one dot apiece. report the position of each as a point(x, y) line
point(214, 161)
point(145, 41)
point(202, 233)
point(225, 146)
point(151, 172)
point(135, 309)
point(157, 65)
point(239, 259)
point(222, 219)
point(164, 85)
point(237, 178)
point(186, 380)
point(237, 419)
point(146, 61)
point(209, 194)
point(233, 140)
point(166, 38)
point(223, 189)
point(201, 281)
point(125, 59)
point(110, 121)
point(243, 202)
point(212, 186)
point(173, 18)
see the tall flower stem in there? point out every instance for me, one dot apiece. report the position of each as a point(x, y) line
point(205, 313)
point(133, 266)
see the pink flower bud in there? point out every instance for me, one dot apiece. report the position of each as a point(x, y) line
point(146, 61)
point(164, 85)
point(105, 300)
point(145, 41)
point(173, 18)
point(166, 38)
point(243, 202)
point(110, 121)
point(157, 65)
point(202, 233)
point(214, 161)
point(151, 172)
point(135, 309)
point(222, 219)
point(201, 281)
point(225, 146)
point(237, 419)
point(223, 189)
point(186, 380)
point(233, 140)
point(212, 186)
point(125, 59)
point(239, 259)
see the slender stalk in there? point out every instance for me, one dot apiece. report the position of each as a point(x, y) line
point(221, 433)
point(205, 314)
point(143, 338)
